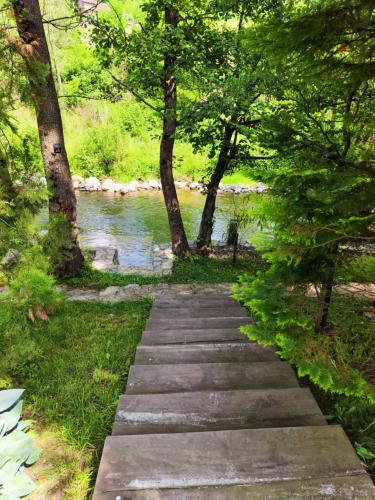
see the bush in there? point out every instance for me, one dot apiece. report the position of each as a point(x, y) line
point(31, 297)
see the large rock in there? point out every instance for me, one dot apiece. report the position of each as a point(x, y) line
point(127, 188)
point(117, 187)
point(154, 184)
point(108, 185)
point(135, 185)
point(77, 180)
point(90, 184)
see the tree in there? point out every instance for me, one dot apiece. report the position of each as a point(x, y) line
point(318, 65)
point(228, 101)
point(180, 244)
point(63, 235)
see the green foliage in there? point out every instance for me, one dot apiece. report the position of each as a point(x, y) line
point(31, 297)
point(86, 350)
point(321, 182)
point(357, 416)
point(16, 447)
point(284, 318)
point(360, 269)
point(195, 269)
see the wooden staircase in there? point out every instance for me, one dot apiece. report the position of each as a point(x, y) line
point(209, 415)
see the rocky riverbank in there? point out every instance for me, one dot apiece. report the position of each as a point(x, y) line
point(93, 184)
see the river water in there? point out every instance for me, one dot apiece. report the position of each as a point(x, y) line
point(132, 222)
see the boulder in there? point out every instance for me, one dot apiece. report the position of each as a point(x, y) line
point(117, 187)
point(127, 188)
point(90, 184)
point(181, 184)
point(108, 185)
point(77, 180)
point(135, 185)
point(154, 184)
point(193, 185)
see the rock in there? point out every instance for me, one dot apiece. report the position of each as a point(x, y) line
point(117, 186)
point(77, 180)
point(132, 287)
point(135, 185)
point(90, 184)
point(106, 258)
point(109, 292)
point(108, 185)
point(127, 188)
point(193, 185)
point(154, 184)
point(10, 258)
point(181, 184)
point(38, 179)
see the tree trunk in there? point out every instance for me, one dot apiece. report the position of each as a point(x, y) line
point(222, 165)
point(7, 190)
point(180, 244)
point(321, 321)
point(66, 256)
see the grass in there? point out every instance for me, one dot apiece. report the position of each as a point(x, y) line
point(361, 269)
point(239, 178)
point(195, 269)
point(73, 385)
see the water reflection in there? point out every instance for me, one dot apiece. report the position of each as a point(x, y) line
point(106, 218)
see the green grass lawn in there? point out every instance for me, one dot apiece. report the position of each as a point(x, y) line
point(191, 270)
point(72, 388)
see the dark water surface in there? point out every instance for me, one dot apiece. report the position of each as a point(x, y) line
point(137, 219)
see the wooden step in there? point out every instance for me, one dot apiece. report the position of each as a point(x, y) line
point(223, 458)
point(196, 323)
point(221, 410)
point(198, 312)
point(181, 336)
point(172, 302)
point(203, 353)
point(154, 379)
point(349, 487)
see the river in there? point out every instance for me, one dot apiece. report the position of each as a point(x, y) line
point(137, 219)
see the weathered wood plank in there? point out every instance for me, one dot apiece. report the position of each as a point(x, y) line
point(336, 488)
point(197, 323)
point(171, 302)
point(182, 336)
point(222, 410)
point(198, 312)
point(203, 353)
point(153, 379)
point(223, 458)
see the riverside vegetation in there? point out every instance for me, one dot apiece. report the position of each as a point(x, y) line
point(214, 91)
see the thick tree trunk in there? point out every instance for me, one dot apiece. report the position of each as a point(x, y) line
point(180, 244)
point(66, 257)
point(222, 165)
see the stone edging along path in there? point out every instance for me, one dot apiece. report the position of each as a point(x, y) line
point(135, 291)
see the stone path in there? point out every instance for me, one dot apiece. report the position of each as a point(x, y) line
point(209, 415)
